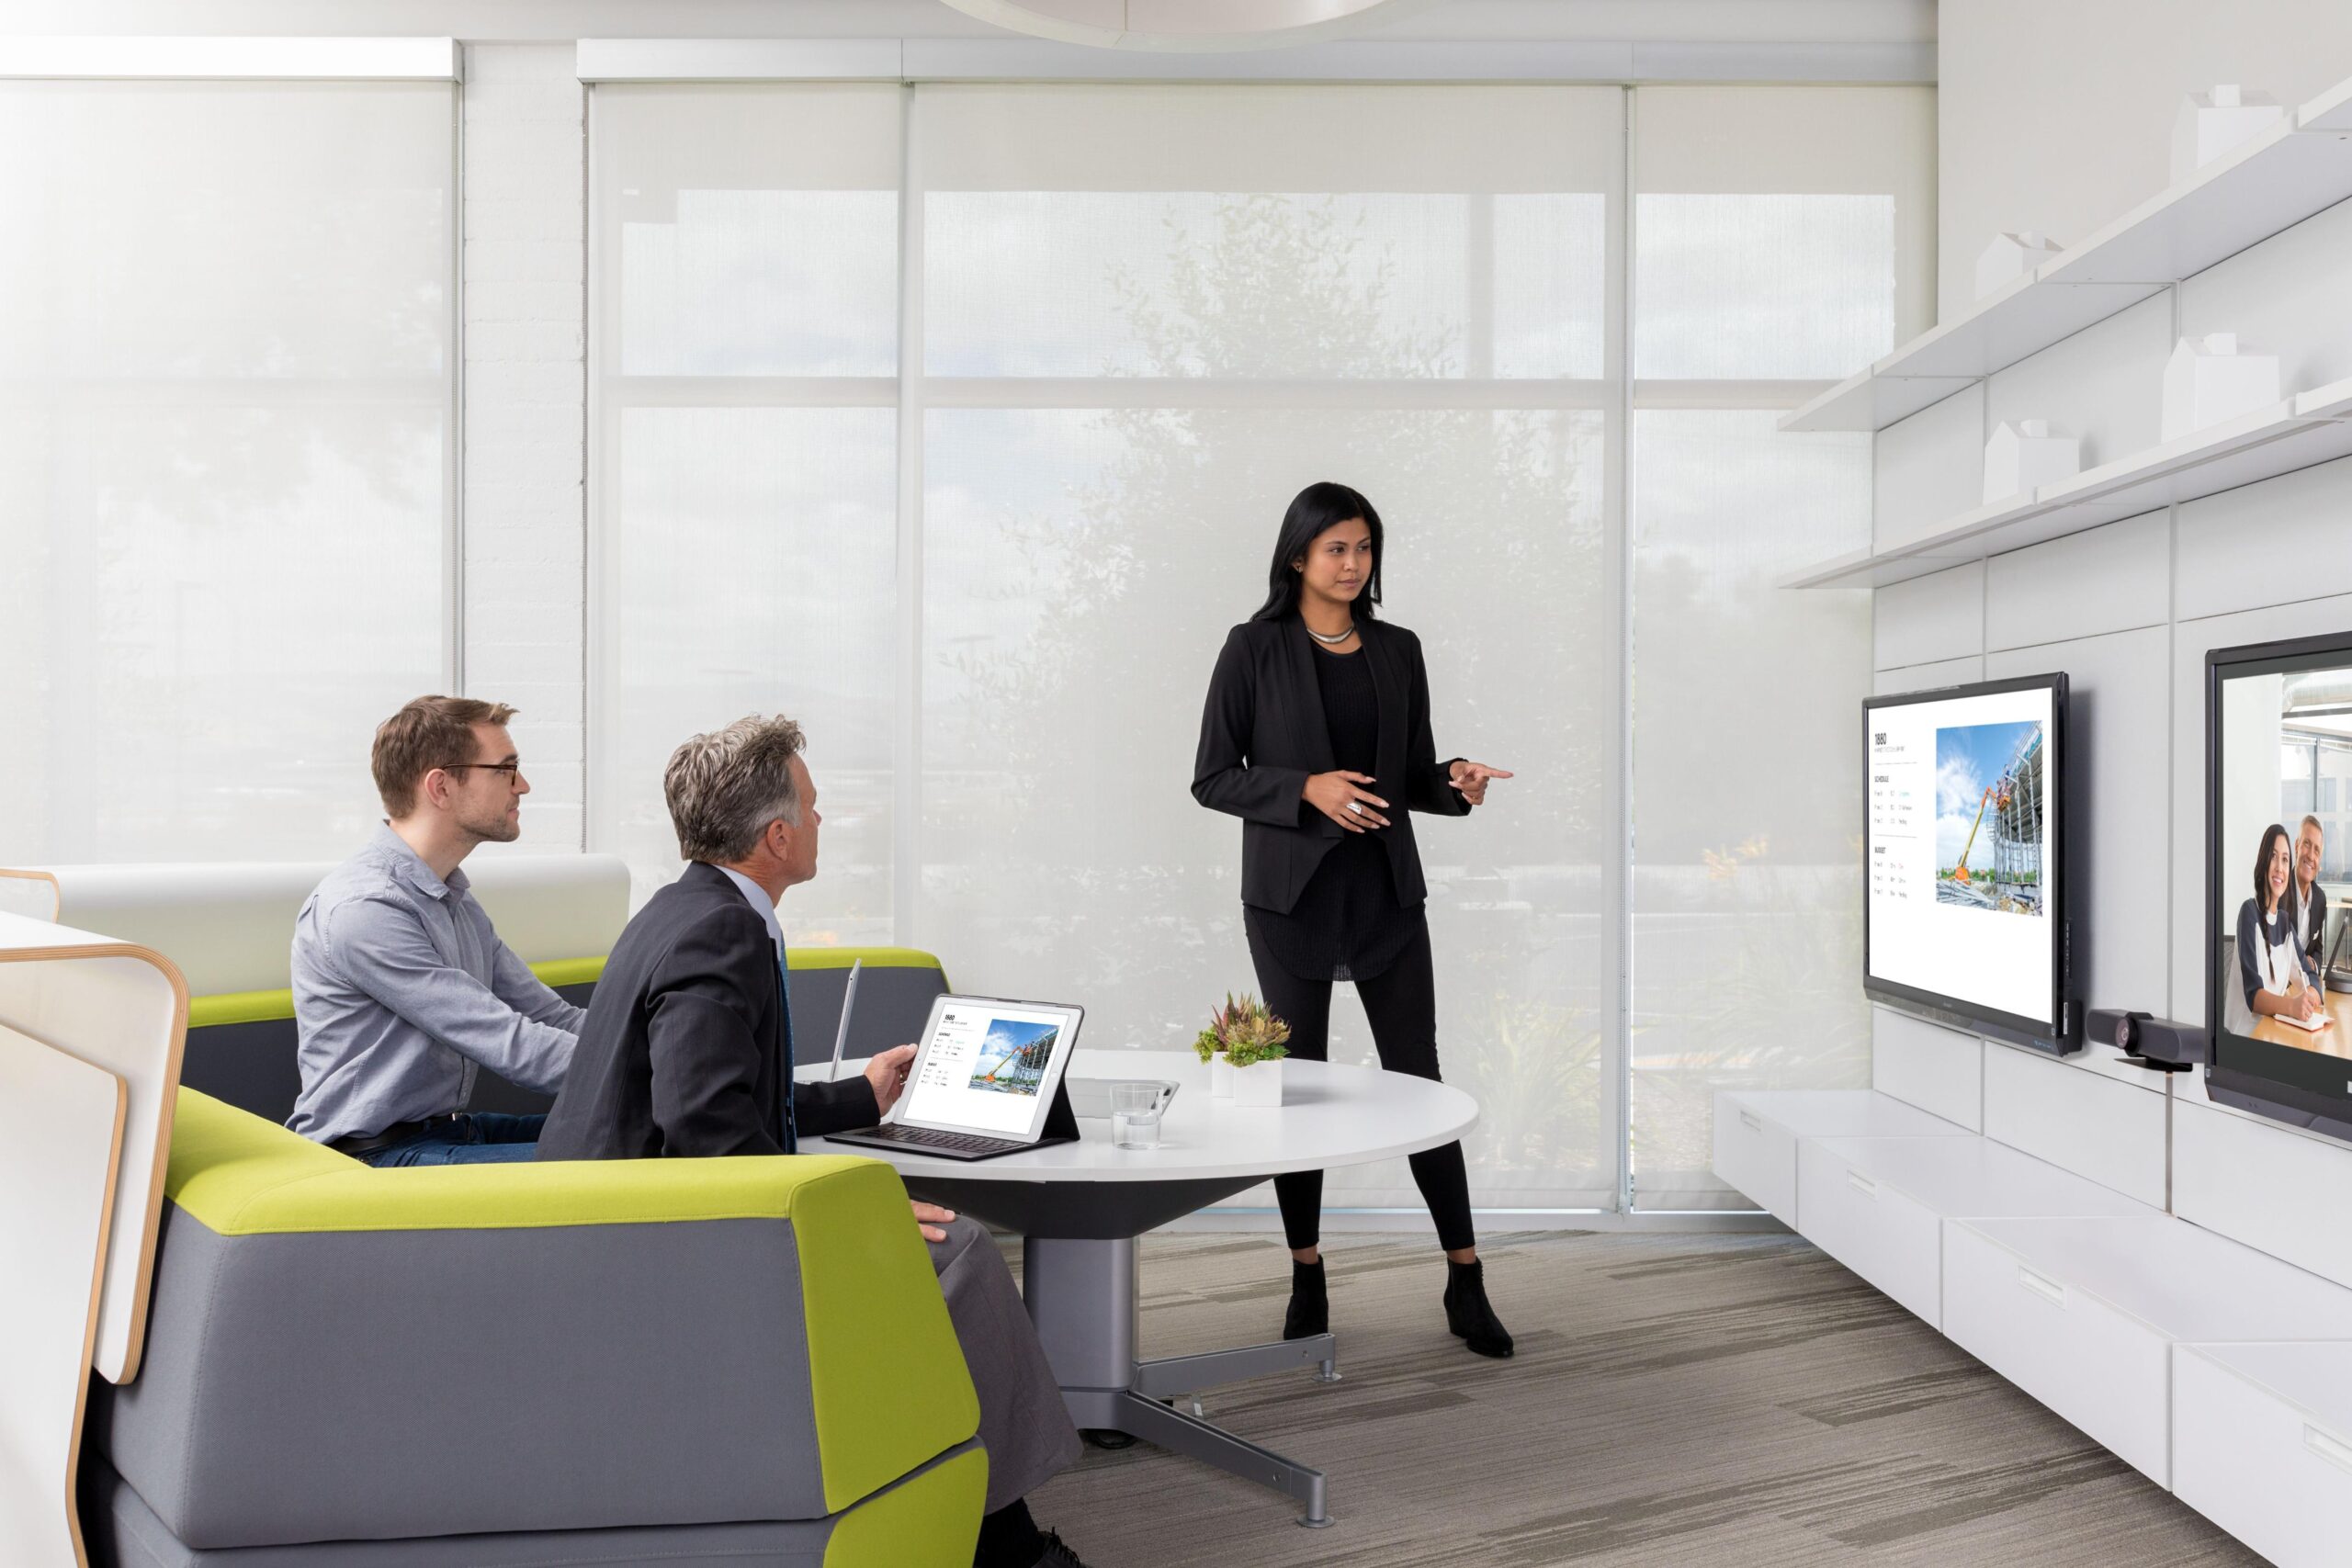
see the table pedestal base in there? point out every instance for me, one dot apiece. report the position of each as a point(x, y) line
point(1082, 1297)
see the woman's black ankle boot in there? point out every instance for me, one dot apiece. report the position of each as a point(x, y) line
point(1310, 1309)
point(1468, 1313)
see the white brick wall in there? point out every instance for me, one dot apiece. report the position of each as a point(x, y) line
point(526, 414)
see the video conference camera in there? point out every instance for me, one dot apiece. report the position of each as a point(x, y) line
point(2160, 1045)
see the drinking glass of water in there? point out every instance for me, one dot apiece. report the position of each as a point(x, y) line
point(1135, 1114)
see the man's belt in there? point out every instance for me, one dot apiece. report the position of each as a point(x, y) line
point(360, 1145)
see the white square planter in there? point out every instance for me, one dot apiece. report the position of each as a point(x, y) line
point(2025, 456)
point(2207, 380)
point(1259, 1086)
point(1220, 1078)
point(2211, 123)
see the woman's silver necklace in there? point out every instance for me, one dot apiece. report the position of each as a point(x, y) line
point(1328, 641)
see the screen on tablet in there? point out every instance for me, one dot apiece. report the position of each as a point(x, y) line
point(986, 1064)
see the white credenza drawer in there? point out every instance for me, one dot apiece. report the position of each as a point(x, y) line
point(2101, 1369)
point(1757, 1132)
point(1758, 1158)
point(2262, 1446)
point(1877, 1230)
point(1878, 1205)
point(2083, 1313)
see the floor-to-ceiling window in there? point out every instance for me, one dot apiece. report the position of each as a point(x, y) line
point(226, 410)
point(957, 422)
point(1781, 237)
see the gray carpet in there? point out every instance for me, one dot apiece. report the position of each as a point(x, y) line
point(1723, 1400)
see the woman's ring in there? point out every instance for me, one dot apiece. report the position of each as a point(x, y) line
point(1356, 807)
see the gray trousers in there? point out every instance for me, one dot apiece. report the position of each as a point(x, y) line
point(1024, 1423)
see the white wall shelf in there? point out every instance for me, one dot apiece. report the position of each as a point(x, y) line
point(2313, 427)
point(2301, 166)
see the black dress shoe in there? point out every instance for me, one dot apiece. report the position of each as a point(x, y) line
point(1310, 1309)
point(1057, 1553)
point(1468, 1313)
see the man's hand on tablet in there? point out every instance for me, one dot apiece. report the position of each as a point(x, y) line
point(887, 1071)
point(929, 1217)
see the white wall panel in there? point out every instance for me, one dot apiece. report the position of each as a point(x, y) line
point(1930, 619)
point(2271, 543)
point(2105, 384)
point(2111, 1132)
point(1927, 468)
point(1928, 677)
point(1938, 1070)
point(2284, 296)
point(2264, 1184)
point(2108, 579)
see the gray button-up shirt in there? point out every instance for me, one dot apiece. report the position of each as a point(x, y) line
point(402, 991)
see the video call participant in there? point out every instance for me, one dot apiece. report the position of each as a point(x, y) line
point(402, 991)
point(1317, 717)
point(687, 1052)
point(2271, 981)
point(2311, 902)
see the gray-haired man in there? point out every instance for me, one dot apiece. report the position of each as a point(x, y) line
point(688, 1051)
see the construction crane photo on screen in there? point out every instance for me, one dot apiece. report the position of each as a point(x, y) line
point(2000, 864)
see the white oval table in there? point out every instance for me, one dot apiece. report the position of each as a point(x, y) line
point(1081, 1206)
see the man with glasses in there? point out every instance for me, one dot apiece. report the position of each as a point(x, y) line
point(402, 991)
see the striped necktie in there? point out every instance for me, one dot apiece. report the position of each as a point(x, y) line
point(784, 1088)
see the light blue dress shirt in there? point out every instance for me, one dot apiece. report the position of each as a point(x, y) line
point(766, 907)
point(402, 992)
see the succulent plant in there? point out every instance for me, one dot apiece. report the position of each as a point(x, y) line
point(1246, 1030)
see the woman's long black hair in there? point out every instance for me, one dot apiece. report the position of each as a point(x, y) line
point(2270, 835)
point(1318, 506)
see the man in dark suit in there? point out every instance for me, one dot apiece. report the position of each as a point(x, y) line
point(2310, 901)
point(688, 1051)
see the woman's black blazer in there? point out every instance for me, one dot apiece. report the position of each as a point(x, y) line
point(1262, 733)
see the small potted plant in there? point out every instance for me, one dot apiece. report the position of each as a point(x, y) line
point(1244, 1045)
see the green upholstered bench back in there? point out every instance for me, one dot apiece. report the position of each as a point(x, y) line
point(745, 1338)
point(241, 1045)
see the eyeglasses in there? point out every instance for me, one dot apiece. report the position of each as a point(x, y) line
point(510, 769)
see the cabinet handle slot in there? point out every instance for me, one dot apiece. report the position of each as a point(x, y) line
point(1861, 1184)
point(2049, 1290)
point(2333, 1450)
point(1752, 1123)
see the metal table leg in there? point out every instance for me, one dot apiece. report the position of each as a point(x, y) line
point(1082, 1296)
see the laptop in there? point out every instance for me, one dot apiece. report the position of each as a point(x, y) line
point(987, 1080)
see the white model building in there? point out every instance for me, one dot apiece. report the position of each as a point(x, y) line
point(2211, 123)
point(2009, 257)
point(2207, 380)
point(2023, 455)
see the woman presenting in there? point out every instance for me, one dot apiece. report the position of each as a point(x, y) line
point(1317, 735)
point(2270, 962)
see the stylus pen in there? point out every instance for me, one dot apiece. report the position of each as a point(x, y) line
point(849, 1001)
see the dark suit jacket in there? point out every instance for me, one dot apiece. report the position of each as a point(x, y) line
point(2316, 951)
point(683, 1050)
point(1262, 733)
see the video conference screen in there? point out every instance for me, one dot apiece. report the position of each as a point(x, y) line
point(2282, 868)
point(1963, 869)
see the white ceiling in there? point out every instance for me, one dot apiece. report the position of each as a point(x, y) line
point(1665, 21)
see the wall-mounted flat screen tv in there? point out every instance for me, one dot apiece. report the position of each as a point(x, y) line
point(1965, 913)
point(2277, 872)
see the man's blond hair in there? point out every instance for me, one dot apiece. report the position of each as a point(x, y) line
point(428, 733)
point(725, 787)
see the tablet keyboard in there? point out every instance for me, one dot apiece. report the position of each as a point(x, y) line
point(930, 1138)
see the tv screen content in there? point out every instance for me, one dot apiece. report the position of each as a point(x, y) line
point(2278, 872)
point(1964, 914)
